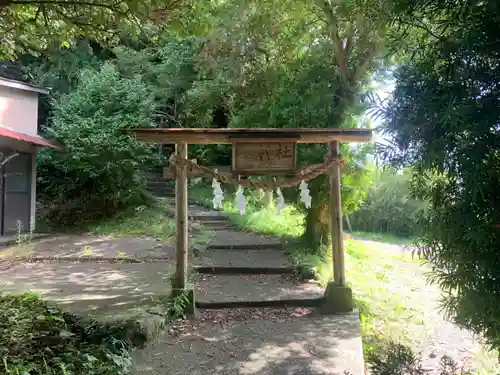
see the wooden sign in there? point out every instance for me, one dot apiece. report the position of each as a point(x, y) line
point(264, 157)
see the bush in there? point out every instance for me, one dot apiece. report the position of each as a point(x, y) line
point(397, 359)
point(38, 338)
point(100, 171)
point(389, 208)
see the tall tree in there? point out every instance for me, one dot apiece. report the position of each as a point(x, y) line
point(320, 52)
point(444, 120)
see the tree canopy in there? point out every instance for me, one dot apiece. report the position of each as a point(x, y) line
point(30, 26)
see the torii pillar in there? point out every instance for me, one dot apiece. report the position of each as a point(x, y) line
point(338, 296)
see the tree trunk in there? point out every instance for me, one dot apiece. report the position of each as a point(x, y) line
point(348, 222)
point(317, 231)
point(267, 199)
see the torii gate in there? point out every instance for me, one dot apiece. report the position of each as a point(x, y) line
point(260, 152)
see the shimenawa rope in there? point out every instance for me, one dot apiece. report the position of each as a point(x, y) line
point(307, 173)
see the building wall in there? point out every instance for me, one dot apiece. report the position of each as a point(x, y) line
point(19, 110)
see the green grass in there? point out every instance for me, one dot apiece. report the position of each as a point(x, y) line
point(389, 285)
point(384, 237)
point(256, 218)
point(153, 220)
point(156, 220)
point(39, 338)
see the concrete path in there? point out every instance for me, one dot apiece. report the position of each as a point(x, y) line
point(101, 290)
point(257, 342)
point(242, 258)
point(88, 245)
point(92, 276)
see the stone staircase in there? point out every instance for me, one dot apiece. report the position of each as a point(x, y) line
point(158, 186)
point(255, 316)
point(240, 269)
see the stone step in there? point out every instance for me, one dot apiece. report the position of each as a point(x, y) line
point(209, 217)
point(217, 225)
point(160, 183)
point(237, 240)
point(243, 258)
point(220, 270)
point(235, 291)
point(160, 187)
point(162, 193)
point(259, 341)
point(246, 247)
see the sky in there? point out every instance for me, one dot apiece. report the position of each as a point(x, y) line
point(383, 90)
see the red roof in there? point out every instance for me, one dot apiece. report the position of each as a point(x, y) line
point(37, 140)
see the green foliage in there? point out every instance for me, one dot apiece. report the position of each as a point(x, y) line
point(151, 220)
point(397, 359)
point(59, 68)
point(32, 26)
point(384, 238)
point(388, 207)
point(168, 67)
point(38, 338)
point(99, 171)
point(178, 305)
point(444, 120)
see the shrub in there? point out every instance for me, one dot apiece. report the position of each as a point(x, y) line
point(100, 171)
point(396, 359)
point(389, 208)
point(38, 338)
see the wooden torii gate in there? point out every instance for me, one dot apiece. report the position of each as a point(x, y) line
point(260, 152)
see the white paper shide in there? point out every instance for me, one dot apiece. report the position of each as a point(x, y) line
point(280, 200)
point(240, 200)
point(305, 195)
point(218, 194)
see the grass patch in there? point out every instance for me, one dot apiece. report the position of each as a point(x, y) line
point(39, 338)
point(36, 337)
point(157, 220)
point(388, 286)
point(289, 223)
point(384, 237)
point(153, 220)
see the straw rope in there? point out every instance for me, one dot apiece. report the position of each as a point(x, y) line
point(306, 174)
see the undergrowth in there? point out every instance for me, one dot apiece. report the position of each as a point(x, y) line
point(36, 337)
point(397, 359)
point(152, 220)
